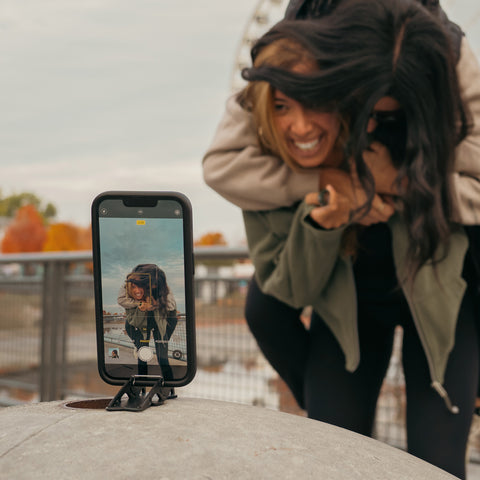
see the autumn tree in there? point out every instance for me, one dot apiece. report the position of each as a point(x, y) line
point(26, 233)
point(211, 239)
point(85, 238)
point(9, 205)
point(66, 237)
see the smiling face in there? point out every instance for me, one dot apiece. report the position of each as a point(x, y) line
point(137, 292)
point(302, 138)
point(310, 136)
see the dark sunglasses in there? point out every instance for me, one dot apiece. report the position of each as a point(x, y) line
point(391, 131)
point(387, 116)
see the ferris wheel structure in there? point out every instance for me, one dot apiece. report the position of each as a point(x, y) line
point(265, 14)
point(466, 13)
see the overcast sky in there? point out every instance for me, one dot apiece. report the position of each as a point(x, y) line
point(115, 94)
point(119, 94)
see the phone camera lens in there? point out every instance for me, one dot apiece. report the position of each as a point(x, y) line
point(140, 212)
point(103, 211)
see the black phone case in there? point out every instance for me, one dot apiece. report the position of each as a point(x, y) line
point(139, 199)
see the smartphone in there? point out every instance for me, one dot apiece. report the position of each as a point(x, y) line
point(143, 280)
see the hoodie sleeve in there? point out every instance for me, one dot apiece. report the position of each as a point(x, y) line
point(466, 176)
point(235, 167)
point(124, 300)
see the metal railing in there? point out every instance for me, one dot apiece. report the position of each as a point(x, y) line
point(38, 286)
point(39, 337)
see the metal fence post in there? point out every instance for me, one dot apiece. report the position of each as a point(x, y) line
point(53, 330)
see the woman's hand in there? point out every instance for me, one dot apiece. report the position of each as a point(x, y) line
point(147, 305)
point(150, 304)
point(349, 196)
point(333, 215)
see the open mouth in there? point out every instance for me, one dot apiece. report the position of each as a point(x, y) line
point(306, 146)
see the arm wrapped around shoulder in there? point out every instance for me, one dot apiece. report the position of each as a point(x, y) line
point(237, 169)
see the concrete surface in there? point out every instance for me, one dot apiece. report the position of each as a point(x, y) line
point(191, 438)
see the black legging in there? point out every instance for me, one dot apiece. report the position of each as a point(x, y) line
point(313, 366)
point(141, 338)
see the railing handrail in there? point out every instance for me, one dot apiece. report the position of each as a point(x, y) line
point(41, 257)
point(201, 253)
point(221, 252)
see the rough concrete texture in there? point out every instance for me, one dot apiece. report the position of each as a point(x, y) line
point(191, 439)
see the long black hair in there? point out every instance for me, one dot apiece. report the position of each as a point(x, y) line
point(366, 50)
point(153, 280)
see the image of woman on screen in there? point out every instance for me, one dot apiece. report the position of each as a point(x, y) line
point(149, 308)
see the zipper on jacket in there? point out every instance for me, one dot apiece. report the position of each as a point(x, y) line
point(443, 393)
point(436, 385)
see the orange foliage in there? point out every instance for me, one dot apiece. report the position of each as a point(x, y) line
point(65, 236)
point(26, 233)
point(85, 238)
point(211, 238)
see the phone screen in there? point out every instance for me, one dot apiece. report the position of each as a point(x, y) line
point(144, 296)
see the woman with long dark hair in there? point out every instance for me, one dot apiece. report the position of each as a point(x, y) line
point(150, 310)
point(235, 151)
point(376, 247)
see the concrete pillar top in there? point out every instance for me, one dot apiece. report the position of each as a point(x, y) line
point(194, 439)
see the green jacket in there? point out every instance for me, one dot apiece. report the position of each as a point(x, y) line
point(302, 265)
point(165, 323)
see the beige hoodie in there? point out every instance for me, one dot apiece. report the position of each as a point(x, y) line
point(235, 167)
